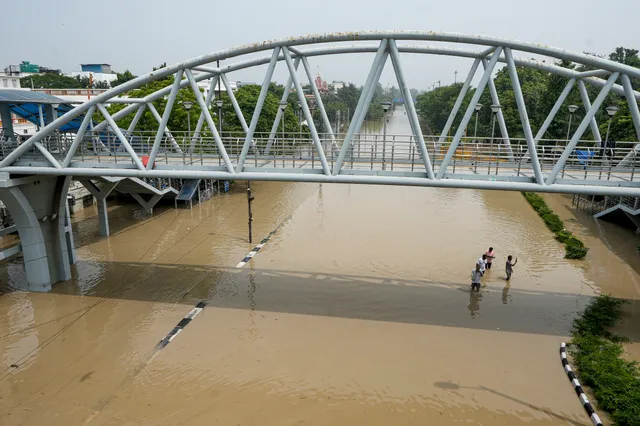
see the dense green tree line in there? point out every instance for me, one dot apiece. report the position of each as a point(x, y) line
point(540, 90)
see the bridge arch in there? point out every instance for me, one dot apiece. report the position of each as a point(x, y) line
point(607, 75)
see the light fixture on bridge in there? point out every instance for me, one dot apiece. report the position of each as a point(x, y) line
point(187, 105)
point(385, 106)
point(572, 108)
point(479, 107)
point(219, 103)
point(283, 105)
point(611, 110)
point(495, 108)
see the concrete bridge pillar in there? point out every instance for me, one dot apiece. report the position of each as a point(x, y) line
point(101, 193)
point(38, 206)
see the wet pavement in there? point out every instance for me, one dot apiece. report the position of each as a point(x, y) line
point(357, 311)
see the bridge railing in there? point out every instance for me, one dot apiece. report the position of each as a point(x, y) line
point(372, 152)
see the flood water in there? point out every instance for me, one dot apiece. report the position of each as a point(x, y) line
point(357, 311)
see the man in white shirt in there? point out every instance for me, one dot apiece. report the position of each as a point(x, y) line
point(482, 263)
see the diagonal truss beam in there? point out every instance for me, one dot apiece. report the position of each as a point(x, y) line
point(587, 105)
point(50, 158)
point(306, 111)
point(258, 109)
point(635, 117)
point(467, 115)
point(236, 108)
point(209, 119)
point(207, 102)
point(79, 136)
point(165, 119)
point(154, 113)
point(280, 113)
point(524, 117)
point(123, 140)
point(319, 103)
point(552, 114)
point(500, 116)
point(591, 112)
point(363, 103)
point(135, 120)
point(411, 109)
point(459, 100)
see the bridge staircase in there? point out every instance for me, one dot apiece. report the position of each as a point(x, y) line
point(624, 211)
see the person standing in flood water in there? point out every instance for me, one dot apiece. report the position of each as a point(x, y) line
point(482, 263)
point(509, 266)
point(490, 256)
point(476, 278)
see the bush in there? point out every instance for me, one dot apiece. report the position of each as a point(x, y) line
point(598, 358)
point(574, 248)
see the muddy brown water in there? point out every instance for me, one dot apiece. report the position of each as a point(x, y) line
point(357, 311)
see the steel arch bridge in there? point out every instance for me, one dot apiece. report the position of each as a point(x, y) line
point(416, 159)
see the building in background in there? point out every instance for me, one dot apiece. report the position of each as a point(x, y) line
point(100, 72)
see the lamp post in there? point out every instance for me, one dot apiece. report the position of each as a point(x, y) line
point(611, 110)
point(219, 103)
point(300, 119)
point(494, 109)
point(283, 107)
point(475, 132)
point(572, 109)
point(385, 106)
point(187, 106)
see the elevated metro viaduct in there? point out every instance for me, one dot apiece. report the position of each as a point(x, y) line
point(35, 175)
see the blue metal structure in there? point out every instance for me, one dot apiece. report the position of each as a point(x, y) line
point(499, 162)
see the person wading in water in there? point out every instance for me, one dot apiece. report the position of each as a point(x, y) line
point(490, 256)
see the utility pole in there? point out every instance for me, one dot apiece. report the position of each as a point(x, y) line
point(455, 77)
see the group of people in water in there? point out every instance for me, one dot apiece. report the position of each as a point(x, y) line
point(484, 264)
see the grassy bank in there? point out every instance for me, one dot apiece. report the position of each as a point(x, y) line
point(598, 358)
point(573, 247)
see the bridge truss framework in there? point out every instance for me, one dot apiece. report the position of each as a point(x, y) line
point(436, 160)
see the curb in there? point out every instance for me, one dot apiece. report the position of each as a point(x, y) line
point(181, 325)
point(576, 386)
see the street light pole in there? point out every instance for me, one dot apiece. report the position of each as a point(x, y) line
point(283, 107)
point(572, 109)
point(187, 106)
point(219, 104)
point(385, 106)
point(475, 133)
point(494, 109)
point(611, 110)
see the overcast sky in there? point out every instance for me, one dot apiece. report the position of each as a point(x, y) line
point(137, 34)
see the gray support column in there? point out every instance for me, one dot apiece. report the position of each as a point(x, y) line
point(38, 209)
point(147, 205)
point(68, 230)
point(49, 113)
point(7, 123)
point(101, 193)
point(500, 115)
point(587, 105)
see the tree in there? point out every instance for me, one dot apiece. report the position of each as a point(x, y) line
point(49, 81)
point(122, 78)
point(434, 107)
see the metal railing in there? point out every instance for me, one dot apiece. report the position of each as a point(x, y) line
point(373, 152)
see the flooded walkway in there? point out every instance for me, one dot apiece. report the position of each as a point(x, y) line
point(356, 311)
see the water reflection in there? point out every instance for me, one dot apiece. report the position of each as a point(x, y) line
point(474, 303)
point(505, 294)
